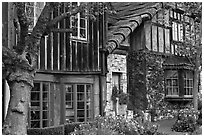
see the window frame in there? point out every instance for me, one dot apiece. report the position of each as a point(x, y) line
point(188, 79)
point(75, 110)
point(172, 86)
point(41, 105)
point(79, 18)
point(35, 16)
point(119, 75)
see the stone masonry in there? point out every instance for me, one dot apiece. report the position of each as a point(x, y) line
point(116, 63)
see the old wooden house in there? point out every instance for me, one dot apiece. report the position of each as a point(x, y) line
point(70, 81)
point(157, 28)
point(78, 70)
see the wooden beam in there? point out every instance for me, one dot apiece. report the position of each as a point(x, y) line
point(62, 30)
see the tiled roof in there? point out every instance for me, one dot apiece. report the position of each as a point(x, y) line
point(178, 63)
point(129, 15)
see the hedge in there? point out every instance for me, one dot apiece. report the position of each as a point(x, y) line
point(54, 130)
point(68, 128)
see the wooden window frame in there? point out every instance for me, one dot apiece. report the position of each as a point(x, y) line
point(182, 82)
point(78, 16)
point(35, 17)
point(41, 105)
point(188, 84)
point(172, 86)
point(75, 108)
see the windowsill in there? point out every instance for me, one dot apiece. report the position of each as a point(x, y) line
point(79, 39)
point(172, 95)
point(188, 95)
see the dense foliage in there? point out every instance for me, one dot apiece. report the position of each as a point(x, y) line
point(136, 70)
point(186, 121)
point(146, 80)
point(118, 125)
point(118, 93)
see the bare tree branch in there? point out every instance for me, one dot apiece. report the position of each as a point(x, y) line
point(72, 12)
point(24, 24)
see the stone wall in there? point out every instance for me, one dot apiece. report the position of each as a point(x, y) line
point(116, 63)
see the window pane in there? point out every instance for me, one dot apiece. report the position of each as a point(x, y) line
point(80, 96)
point(87, 113)
point(180, 29)
point(82, 33)
point(35, 124)
point(45, 86)
point(75, 32)
point(68, 96)
point(154, 38)
point(45, 123)
point(45, 96)
point(167, 41)
point(35, 96)
point(80, 120)
point(74, 22)
point(80, 105)
point(36, 87)
point(169, 91)
point(168, 82)
point(45, 114)
point(35, 105)
point(82, 23)
point(191, 91)
point(69, 104)
point(45, 105)
point(35, 115)
point(175, 91)
point(116, 80)
point(68, 88)
point(80, 113)
point(175, 82)
point(80, 88)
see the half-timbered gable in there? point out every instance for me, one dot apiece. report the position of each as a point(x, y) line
point(72, 45)
point(70, 81)
point(71, 64)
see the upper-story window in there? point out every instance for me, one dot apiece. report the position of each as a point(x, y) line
point(182, 27)
point(79, 24)
point(33, 11)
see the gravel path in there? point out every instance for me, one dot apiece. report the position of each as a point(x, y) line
point(165, 127)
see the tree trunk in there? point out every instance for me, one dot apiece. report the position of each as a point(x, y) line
point(195, 87)
point(16, 120)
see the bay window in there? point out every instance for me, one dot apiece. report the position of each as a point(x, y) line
point(188, 83)
point(172, 83)
point(179, 83)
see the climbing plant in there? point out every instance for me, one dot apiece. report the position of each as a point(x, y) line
point(146, 83)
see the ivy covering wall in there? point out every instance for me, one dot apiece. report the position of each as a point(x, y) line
point(145, 80)
point(136, 71)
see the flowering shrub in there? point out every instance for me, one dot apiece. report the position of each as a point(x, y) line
point(186, 121)
point(123, 97)
point(118, 125)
